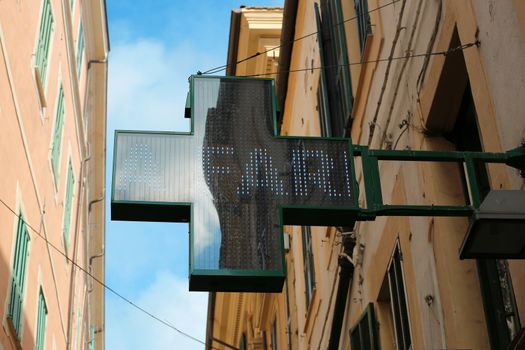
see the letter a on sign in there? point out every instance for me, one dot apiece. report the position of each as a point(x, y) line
point(235, 182)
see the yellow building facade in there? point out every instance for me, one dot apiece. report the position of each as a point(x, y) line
point(397, 75)
point(53, 83)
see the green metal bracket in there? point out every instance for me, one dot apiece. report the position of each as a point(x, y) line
point(375, 206)
point(516, 158)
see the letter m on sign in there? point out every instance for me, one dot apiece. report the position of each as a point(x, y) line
point(235, 182)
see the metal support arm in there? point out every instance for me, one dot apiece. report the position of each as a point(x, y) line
point(374, 199)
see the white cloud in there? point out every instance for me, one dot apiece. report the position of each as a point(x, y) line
point(135, 249)
point(168, 298)
point(148, 83)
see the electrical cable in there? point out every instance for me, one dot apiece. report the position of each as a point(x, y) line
point(435, 53)
point(225, 66)
point(141, 309)
point(404, 125)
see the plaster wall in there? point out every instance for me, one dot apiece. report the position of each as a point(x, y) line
point(398, 105)
point(431, 264)
point(28, 184)
point(444, 301)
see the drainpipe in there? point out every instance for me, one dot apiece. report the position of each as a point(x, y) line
point(90, 263)
point(346, 272)
point(101, 254)
point(233, 46)
point(211, 318)
point(82, 190)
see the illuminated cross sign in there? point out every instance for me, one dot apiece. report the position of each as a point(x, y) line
point(235, 182)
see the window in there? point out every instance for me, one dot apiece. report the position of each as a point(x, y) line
point(274, 335)
point(393, 292)
point(308, 261)
point(501, 312)
point(44, 41)
point(19, 275)
point(364, 334)
point(334, 57)
point(57, 135)
point(70, 188)
point(41, 322)
point(242, 342)
point(363, 22)
point(80, 48)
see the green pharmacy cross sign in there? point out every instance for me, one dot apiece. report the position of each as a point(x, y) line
point(235, 181)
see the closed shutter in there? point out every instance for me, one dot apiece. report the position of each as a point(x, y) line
point(41, 322)
point(44, 40)
point(322, 90)
point(69, 204)
point(19, 273)
point(57, 135)
point(80, 48)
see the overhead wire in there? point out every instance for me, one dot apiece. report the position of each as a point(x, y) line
point(408, 56)
point(110, 289)
point(225, 66)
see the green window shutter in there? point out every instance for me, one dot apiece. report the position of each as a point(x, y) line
point(308, 260)
point(68, 204)
point(41, 322)
point(343, 74)
point(80, 48)
point(337, 80)
point(44, 40)
point(19, 273)
point(364, 334)
point(57, 134)
point(322, 90)
point(242, 345)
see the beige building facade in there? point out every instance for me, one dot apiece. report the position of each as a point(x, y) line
point(438, 75)
point(53, 82)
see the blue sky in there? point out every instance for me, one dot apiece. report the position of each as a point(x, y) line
point(155, 46)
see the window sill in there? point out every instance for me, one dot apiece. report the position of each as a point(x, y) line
point(40, 88)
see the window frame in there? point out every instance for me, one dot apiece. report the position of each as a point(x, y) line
point(398, 302)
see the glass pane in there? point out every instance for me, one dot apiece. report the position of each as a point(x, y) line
point(355, 339)
point(365, 334)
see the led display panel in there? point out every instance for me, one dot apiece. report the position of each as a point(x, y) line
point(235, 181)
